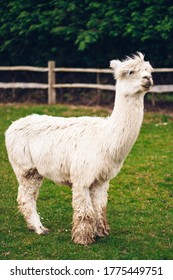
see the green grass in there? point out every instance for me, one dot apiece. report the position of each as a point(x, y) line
point(140, 207)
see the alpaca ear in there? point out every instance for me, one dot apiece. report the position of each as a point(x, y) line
point(114, 64)
point(141, 55)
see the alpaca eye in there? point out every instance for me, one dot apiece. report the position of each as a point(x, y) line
point(131, 72)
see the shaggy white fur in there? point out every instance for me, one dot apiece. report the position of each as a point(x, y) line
point(84, 153)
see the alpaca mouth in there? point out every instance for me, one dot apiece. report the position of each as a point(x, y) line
point(147, 85)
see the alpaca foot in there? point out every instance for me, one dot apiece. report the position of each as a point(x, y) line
point(44, 231)
point(83, 232)
point(41, 230)
point(102, 229)
point(83, 239)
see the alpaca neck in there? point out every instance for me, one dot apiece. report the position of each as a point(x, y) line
point(125, 123)
point(128, 108)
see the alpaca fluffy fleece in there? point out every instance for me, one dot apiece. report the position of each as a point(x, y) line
point(84, 153)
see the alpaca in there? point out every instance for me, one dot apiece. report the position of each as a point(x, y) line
point(84, 152)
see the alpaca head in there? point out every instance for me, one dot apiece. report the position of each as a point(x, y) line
point(133, 75)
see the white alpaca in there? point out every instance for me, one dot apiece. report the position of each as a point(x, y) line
point(84, 153)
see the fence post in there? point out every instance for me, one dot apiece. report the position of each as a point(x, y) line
point(51, 83)
point(98, 90)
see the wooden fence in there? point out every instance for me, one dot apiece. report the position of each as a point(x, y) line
point(51, 86)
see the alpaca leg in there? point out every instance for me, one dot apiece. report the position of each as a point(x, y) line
point(27, 195)
point(83, 217)
point(99, 201)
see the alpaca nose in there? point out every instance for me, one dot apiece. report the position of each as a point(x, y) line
point(148, 81)
point(147, 78)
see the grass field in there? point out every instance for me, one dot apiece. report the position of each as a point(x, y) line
point(140, 207)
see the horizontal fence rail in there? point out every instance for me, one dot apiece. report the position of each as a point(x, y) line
point(23, 85)
point(79, 85)
point(52, 86)
point(23, 68)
